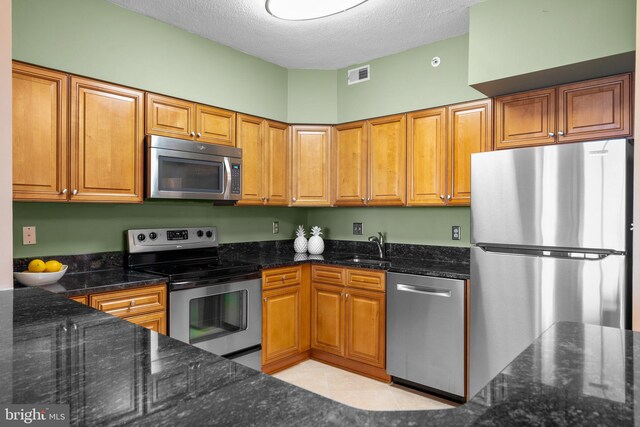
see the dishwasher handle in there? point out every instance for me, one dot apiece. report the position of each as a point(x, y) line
point(425, 291)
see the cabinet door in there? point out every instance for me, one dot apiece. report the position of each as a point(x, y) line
point(310, 174)
point(526, 119)
point(276, 163)
point(327, 318)
point(365, 327)
point(170, 116)
point(280, 323)
point(250, 140)
point(350, 164)
point(107, 136)
point(595, 109)
point(156, 321)
point(215, 125)
point(39, 134)
point(469, 132)
point(387, 161)
point(427, 157)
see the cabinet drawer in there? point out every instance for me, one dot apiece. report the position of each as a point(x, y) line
point(131, 302)
point(278, 277)
point(324, 274)
point(366, 279)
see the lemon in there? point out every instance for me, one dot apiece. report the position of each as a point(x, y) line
point(36, 266)
point(52, 266)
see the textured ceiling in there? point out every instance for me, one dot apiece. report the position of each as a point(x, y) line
point(371, 30)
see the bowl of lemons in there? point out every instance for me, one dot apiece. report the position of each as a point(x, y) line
point(40, 273)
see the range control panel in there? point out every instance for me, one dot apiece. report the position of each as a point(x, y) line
point(168, 239)
point(236, 178)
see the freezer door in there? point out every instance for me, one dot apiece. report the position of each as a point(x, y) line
point(514, 298)
point(569, 196)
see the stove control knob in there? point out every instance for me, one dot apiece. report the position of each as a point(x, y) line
point(141, 237)
point(153, 236)
point(200, 233)
point(209, 234)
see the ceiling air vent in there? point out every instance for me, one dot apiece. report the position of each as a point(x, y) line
point(358, 75)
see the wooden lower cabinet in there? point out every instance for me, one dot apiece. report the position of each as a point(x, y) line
point(145, 306)
point(348, 326)
point(285, 317)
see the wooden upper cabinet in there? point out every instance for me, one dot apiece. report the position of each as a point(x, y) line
point(526, 119)
point(387, 160)
point(427, 157)
point(595, 109)
point(177, 118)
point(40, 138)
point(470, 131)
point(276, 163)
point(215, 125)
point(107, 135)
point(310, 165)
point(250, 139)
point(170, 116)
point(350, 164)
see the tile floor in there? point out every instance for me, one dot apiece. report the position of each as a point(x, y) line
point(356, 390)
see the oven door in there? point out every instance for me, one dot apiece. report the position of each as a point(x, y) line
point(174, 174)
point(222, 318)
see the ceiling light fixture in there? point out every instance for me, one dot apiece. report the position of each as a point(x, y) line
point(303, 10)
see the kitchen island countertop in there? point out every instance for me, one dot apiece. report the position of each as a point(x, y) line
point(113, 372)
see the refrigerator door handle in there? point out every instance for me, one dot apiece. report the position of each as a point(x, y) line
point(425, 291)
point(550, 252)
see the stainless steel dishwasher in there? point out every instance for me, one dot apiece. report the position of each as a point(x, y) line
point(425, 333)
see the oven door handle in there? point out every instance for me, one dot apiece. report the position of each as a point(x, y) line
point(227, 179)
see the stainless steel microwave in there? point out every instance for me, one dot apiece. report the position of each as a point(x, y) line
point(182, 169)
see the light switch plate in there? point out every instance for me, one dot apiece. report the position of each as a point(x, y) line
point(29, 235)
point(276, 227)
point(357, 228)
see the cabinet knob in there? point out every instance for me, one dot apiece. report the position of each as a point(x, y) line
point(64, 191)
point(283, 278)
point(442, 197)
point(198, 134)
point(551, 134)
point(74, 192)
point(267, 199)
point(133, 303)
point(265, 299)
point(263, 199)
point(362, 199)
point(448, 196)
point(560, 133)
point(294, 199)
point(346, 296)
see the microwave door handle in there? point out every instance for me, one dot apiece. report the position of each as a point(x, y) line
point(227, 178)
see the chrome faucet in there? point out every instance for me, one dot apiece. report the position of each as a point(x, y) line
point(380, 242)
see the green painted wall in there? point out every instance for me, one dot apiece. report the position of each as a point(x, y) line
point(426, 226)
point(98, 39)
point(406, 81)
point(75, 228)
point(514, 37)
point(313, 96)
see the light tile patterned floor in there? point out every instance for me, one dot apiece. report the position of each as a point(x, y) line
point(356, 390)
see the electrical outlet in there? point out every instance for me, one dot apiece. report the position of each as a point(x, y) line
point(276, 227)
point(357, 228)
point(455, 232)
point(29, 235)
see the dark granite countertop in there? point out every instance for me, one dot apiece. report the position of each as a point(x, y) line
point(90, 282)
point(112, 372)
point(424, 267)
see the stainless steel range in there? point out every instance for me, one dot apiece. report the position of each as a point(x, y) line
point(214, 304)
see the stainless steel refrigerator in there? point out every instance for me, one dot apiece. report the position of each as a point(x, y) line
point(550, 235)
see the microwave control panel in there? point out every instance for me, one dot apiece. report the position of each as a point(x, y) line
point(235, 178)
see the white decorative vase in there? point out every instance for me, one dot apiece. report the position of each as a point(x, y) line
point(316, 257)
point(316, 245)
point(300, 245)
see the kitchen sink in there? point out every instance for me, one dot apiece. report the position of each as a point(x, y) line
point(362, 260)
